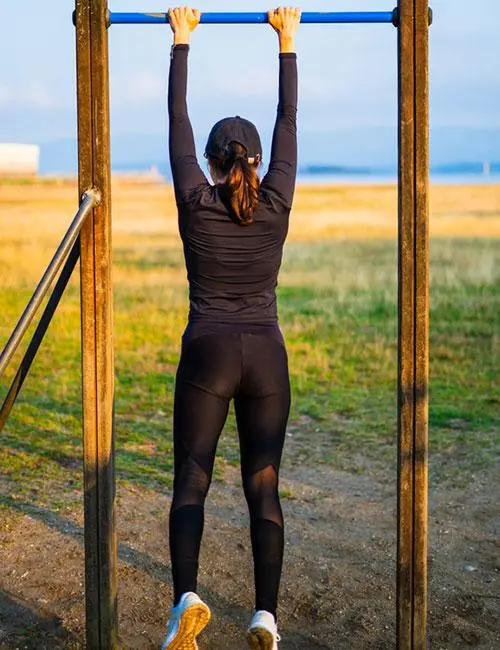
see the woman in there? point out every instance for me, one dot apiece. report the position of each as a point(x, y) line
point(233, 234)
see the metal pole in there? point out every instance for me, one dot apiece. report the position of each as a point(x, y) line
point(97, 328)
point(227, 18)
point(40, 331)
point(413, 325)
point(89, 199)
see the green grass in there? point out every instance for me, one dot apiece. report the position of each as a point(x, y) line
point(338, 312)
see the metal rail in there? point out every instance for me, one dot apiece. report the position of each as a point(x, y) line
point(89, 200)
point(231, 18)
point(41, 329)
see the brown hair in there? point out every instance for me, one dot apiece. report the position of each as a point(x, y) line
point(241, 188)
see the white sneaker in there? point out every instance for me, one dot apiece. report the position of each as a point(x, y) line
point(186, 621)
point(262, 633)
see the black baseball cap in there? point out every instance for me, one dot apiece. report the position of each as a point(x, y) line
point(233, 129)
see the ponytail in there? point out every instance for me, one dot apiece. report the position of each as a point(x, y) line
point(242, 185)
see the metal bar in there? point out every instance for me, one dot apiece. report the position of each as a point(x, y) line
point(413, 323)
point(40, 331)
point(91, 19)
point(231, 18)
point(89, 199)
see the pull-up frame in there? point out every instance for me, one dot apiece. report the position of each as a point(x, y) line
point(412, 19)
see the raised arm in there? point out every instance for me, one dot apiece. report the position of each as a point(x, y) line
point(282, 171)
point(186, 173)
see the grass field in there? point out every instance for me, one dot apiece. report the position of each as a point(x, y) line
point(337, 299)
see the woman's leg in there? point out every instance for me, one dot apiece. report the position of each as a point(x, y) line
point(206, 379)
point(262, 406)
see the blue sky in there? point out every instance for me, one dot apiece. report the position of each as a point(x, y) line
point(347, 73)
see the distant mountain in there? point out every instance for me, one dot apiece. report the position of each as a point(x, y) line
point(335, 170)
point(364, 150)
point(131, 152)
point(492, 167)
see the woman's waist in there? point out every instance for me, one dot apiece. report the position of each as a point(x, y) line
point(260, 308)
point(206, 327)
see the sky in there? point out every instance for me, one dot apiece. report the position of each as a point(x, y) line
point(347, 73)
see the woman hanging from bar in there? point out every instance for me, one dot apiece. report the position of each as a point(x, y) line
point(233, 234)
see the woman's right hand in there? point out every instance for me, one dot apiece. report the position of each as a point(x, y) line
point(285, 21)
point(183, 21)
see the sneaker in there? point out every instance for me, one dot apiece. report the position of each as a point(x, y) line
point(186, 621)
point(262, 633)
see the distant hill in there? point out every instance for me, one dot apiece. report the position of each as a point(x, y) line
point(492, 167)
point(366, 150)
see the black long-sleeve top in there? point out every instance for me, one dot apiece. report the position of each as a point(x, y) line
point(232, 270)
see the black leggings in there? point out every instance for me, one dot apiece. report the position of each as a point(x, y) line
point(213, 369)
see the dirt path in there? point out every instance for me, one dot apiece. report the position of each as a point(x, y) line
point(338, 586)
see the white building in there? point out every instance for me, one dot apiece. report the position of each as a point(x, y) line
point(19, 159)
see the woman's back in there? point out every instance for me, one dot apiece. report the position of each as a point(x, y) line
point(233, 263)
point(232, 270)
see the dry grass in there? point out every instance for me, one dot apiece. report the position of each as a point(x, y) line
point(33, 217)
point(371, 211)
point(337, 301)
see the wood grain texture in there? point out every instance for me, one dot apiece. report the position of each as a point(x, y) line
point(406, 308)
point(421, 325)
point(97, 327)
point(413, 325)
point(104, 326)
point(85, 181)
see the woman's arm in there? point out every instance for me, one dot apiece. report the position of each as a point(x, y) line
point(283, 165)
point(186, 172)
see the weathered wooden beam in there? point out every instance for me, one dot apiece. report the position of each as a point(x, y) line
point(97, 327)
point(413, 324)
point(420, 452)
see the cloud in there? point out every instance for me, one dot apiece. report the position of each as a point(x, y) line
point(145, 87)
point(34, 94)
point(5, 96)
point(142, 87)
point(251, 84)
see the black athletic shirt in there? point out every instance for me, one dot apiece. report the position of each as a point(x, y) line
point(232, 270)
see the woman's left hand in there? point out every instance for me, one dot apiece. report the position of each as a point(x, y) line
point(183, 20)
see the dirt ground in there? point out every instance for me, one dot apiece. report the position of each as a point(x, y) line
point(338, 585)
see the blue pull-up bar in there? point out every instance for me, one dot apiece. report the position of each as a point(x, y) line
point(211, 18)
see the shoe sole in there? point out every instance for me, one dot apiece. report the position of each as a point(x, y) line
point(260, 639)
point(192, 622)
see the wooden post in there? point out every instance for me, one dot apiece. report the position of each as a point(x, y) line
point(97, 327)
point(413, 344)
